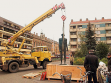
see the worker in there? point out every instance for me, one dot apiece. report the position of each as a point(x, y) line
point(91, 64)
point(71, 59)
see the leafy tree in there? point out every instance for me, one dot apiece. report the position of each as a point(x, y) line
point(83, 49)
point(78, 54)
point(102, 50)
point(90, 39)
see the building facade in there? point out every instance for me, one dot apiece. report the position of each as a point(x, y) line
point(41, 41)
point(102, 29)
point(8, 29)
point(55, 48)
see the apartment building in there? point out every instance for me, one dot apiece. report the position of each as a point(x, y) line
point(55, 48)
point(42, 41)
point(8, 29)
point(102, 29)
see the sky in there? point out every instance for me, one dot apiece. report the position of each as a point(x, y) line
point(24, 12)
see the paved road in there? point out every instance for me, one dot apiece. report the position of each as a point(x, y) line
point(6, 77)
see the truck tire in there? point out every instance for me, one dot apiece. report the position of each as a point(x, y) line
point(44, 64)
point(13, 67)
point(35, 66)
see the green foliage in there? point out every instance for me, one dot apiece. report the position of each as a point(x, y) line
point(105, 60)
point(102, 50)
point(82, 52)
point(78, 54)
point(83, 49)
point(79, 61)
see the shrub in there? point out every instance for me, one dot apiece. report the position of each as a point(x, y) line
point(104, 60)
point(102, 50)
point(79, 61)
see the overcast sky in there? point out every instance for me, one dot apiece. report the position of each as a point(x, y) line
point(23, 12)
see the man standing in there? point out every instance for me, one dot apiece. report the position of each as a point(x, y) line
point(91, 64)
point(71, 59)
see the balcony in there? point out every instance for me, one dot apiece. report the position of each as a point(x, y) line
point(100, 35)
point(73, 42)
point(108, 41)
point(108, 28)
point(73, 49)
point(73, 36)
point(108, 34)
point(73, 30)
point(100, 41)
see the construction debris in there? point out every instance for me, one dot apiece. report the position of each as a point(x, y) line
point(31, 75)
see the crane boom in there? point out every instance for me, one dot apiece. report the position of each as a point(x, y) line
point(29, 27)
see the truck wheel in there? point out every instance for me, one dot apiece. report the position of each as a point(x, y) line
point(35, 66)
point(44, 64)
point(13, 67)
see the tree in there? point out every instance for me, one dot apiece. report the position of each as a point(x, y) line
point(90, 39)
point(102, 50)
point(83, 49)
point(78, 54)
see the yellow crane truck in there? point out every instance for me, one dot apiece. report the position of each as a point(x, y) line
point(11, 60)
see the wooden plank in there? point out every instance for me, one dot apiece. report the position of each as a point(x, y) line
point(31, 75)
point(52, 68)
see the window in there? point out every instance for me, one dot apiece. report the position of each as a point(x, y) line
point(36, 43)
point(109, 32)
point(92, 25)
point(73, 33)
point(73, 46)
point(83, 32)
point(109, 24)
point(97, 25)
point(28, 47)
point(16, 45)
point(84, 26)
point(103, 32)
point(20, 40)
point(74, 27)
point(102, 25)
point(98, 39)
point(0, 43)
point(73, 39)
point(9, 24)
point(103, 38)
point(45, 49)
point(5, 37)
point(97, 32)
point(109, 38)
point(79, 32)
point(79, 26)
